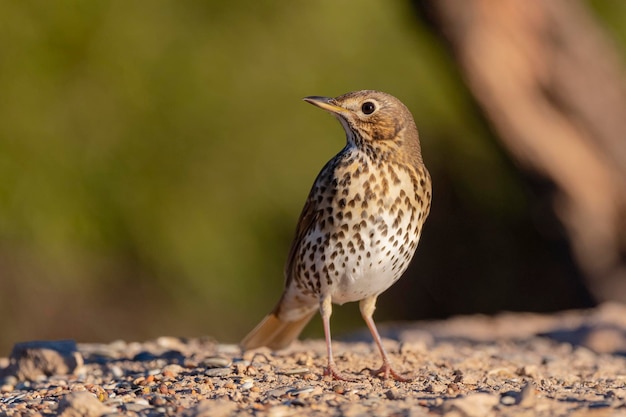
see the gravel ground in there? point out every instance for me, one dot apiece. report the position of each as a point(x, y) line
point(567, 364)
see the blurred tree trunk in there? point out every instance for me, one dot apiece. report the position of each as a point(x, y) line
point(551, 84)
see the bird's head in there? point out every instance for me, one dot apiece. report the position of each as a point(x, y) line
point(374, 121)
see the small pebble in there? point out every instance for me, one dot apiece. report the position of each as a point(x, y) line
point(158, 400)
point(392, 394)
point(508, 400)
point(339, 389)
point(170, 342)
point(218, 372)
point(453, 388)
point(242, 362)
point(296, 371)
point(216, 362)
point(228, 349)
point(528, 396)
point(300, 391)
point(10, 380)
point(135, 407)
point(278, 392)
point(117, 371)
point(173, 369)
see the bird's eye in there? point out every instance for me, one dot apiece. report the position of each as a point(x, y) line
point(368, 107)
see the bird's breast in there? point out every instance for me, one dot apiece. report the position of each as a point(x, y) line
point(367, 232)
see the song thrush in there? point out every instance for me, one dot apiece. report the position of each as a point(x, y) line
point(360, 224)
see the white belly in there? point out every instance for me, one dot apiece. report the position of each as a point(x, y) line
point(362, 240)
point(376, 265)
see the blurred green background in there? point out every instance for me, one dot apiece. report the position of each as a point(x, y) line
point(154, 158)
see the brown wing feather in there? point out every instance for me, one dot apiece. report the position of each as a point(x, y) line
point(308, 217)
point(311, 213)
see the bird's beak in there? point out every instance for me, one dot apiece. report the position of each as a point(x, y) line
point(326, 103)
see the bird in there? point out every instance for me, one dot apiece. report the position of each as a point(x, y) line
point(360, 225)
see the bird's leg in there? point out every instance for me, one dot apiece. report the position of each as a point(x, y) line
point(367, 307)
point(326, 309)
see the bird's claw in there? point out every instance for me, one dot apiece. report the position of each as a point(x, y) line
point(330, 371)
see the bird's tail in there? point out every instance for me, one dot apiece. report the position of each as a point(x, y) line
point(274, 332)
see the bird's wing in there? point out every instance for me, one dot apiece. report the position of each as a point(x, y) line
point(309, 216)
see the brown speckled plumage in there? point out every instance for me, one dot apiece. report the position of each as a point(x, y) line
point(360, 225)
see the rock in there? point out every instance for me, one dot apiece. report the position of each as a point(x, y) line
point(509, 398)
point(218, 372)
point(208, 408)
point(528, 396)
point(32, 360)
point(137, 406)
point(474, 405)
point(172, 370)
point(525, 397)
point(6, 388)
point(82, 404)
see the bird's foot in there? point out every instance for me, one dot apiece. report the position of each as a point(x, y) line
point(330, 371)
point(387, 371)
